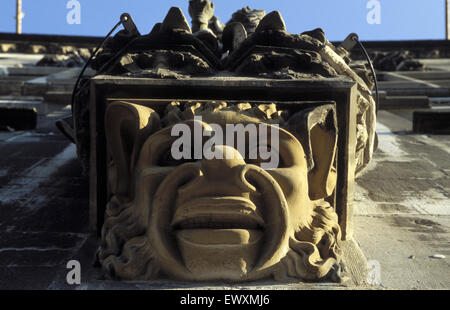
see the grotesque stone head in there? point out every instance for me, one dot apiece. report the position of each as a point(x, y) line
point(249, 18)
point(222, 217)
point(201, 12)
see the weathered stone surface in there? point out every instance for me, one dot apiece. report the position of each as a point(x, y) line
point(209, 39)
point(34, 257)
point(43, 207)
point(317, 34)
point(233, 35)
point(286, 65)
point(272, 21)
point(397, 61)
point(27, 277)
point(201, 12)
point(175, 20)
point(181, 63)
point(69, 60)
point(39, 240)
point(248, 17)
point(279, 55)
point(264, 54)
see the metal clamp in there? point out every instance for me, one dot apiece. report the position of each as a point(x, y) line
point(349, 42)
point(128, 24)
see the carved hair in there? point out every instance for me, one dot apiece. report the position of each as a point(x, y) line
point(125, 252)
point(177, 112)
point(314, 251)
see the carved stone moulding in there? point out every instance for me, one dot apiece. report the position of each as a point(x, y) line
point(222, 219)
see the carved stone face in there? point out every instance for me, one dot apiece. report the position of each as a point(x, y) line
point(201, 10)
point(223, 219)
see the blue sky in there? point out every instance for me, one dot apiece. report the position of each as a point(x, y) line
point(400, 19)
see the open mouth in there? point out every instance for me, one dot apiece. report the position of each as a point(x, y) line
point(218, 220)
point(218, 236)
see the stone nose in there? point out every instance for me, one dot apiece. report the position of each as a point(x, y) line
point(221, 175)
point(221, 161)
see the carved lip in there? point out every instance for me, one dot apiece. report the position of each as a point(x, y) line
point(218, 213)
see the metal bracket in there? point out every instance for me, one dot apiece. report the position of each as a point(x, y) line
point(128, 24)
point(349, 42)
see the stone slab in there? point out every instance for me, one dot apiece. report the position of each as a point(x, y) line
point(404, 102)
point(15, 118)
point(34, 104)
point(402, 206)
point(403, 246)
point(434, 122)
point(92, 278)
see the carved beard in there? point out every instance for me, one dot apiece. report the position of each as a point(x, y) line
point(314, 251)
point(127, 253)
